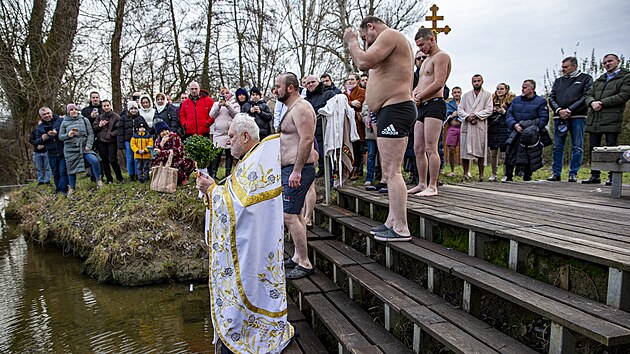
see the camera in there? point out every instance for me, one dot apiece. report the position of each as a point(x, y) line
point(221, 98)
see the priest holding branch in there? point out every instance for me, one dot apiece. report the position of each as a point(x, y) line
point(246, 237)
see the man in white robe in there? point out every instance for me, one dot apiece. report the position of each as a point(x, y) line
point(246, 237)
point(475, 107)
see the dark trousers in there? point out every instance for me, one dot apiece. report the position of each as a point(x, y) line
point(357, 149)
point(59, 172)
point(595, 140)
point(527, 172)
point(109, 157)
point(217, 161)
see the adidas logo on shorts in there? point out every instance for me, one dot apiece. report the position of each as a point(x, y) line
point(390, 130)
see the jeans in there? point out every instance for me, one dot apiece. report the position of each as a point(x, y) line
point(42, 167)
point(143, 166)
point(595, 140)
point(93, 161)
point(372, 149)
point(575, 127)
point(59, 172)
point(131, 165)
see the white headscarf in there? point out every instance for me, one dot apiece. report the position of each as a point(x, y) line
point(148, 113)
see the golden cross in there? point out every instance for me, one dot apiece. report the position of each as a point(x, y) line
point(434, 18)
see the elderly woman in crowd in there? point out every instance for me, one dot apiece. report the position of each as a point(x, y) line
point(223, 111)
point(166, 143)
point(78, 138)
point(106, 129)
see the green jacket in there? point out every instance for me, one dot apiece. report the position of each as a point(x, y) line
point(613, 94)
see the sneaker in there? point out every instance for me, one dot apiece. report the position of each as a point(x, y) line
point(99, 184)
point(380, 228)
point(289, 263)
point(492, 178)
point(572, 178)
point(376, 187)
point(299, 272)
point(553, 178)
point(383, 190)
point(70, 192)
point(367, 183)
point(506, 179)
point(391, 236)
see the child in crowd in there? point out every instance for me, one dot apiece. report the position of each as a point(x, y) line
point(141, 142)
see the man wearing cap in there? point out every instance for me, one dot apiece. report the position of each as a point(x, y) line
point(260, 111)
point(569, 116)
point(607, 102)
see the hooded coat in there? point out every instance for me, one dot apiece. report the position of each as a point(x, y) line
point(223, 116)
point(613, 94)
point(194, 114)
point(74, 147)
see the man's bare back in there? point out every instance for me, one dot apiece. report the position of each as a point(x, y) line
point(301, 115)
point(434, 72)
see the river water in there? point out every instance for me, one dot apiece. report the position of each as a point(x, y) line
point(47, 306)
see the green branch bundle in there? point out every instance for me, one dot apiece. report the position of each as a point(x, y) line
point(201, 150)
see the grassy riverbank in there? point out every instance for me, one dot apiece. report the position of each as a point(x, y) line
point(125, 233)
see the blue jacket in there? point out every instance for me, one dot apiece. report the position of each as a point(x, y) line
point(54, 146)
point(523, 109)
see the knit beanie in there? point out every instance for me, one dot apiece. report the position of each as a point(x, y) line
point(132, 104)
point(161, 126)
point(71, 106)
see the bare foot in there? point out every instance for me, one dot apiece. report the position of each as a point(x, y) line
point(429, 192)
point(416, 189)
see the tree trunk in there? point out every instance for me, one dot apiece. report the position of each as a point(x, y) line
point(205, 72)
point(116, 58)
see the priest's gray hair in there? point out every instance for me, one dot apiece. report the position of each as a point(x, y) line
point(243, 122)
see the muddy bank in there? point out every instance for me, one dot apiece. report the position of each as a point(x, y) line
point(125, 234)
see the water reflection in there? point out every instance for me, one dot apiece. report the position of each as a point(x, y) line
point(47, 306)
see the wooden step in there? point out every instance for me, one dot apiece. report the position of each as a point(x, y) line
point(563, 315)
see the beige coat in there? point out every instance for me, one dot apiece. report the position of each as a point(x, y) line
point(474, 137)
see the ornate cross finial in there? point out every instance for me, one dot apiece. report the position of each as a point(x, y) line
point(434, 18)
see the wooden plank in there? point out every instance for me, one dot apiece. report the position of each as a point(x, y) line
point(308, 341)
point(445, 332)
point(374, 332)
point(480, 330)
point(568, 248)
point(292, 348)
point(323, 283)
point(599, 310)
point(304, 285)
point(336, 323)
point(387, 294)
point(350, 252)
point(334, 211)
point(294, 313)
point(331, 253)
point(579, 321)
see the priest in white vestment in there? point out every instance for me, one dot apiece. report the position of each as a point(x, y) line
point(248, 297)
point(474, 107)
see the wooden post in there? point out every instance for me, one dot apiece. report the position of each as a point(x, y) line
point(561, 341)
point(388, 256)
point(475, 244)
point(618, 295)
point(518, 256)
point(431, 279)
point(616, 184)
point(426, 229)
point(472, 299)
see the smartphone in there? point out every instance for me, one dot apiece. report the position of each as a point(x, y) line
point(221, 98)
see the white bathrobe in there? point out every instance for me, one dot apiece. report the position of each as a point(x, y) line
point(474, 137)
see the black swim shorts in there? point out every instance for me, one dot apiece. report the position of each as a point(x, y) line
point(293, 198)
point(433, 108)
point(395, 120)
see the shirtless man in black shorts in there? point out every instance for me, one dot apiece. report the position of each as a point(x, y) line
point(429, 98)
point(388, 54)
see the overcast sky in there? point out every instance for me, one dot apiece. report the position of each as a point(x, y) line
point(511, 41)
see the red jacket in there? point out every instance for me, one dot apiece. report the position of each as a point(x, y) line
point(195, 115)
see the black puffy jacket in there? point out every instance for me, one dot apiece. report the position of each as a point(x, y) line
point(127, 127)
point(263, 119)
point(170, 116)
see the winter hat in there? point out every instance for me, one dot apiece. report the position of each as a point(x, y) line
point(132, 104)
point(143, 125)
point(160, 126)
point(255, 90)
point(71, 106)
